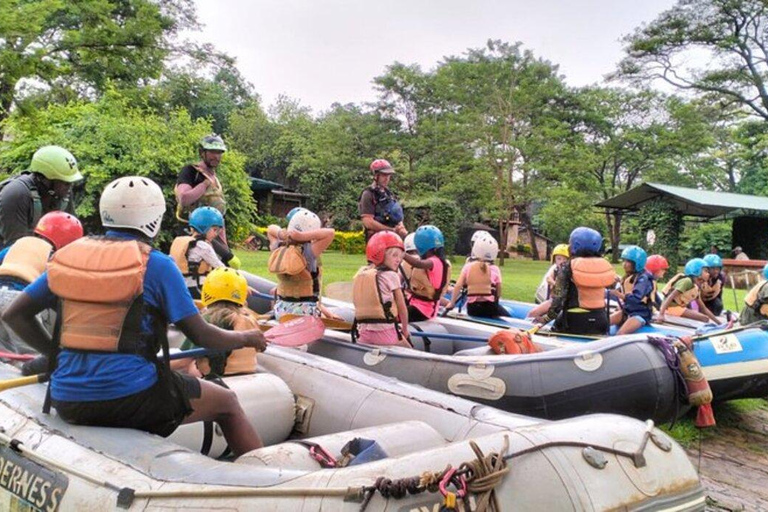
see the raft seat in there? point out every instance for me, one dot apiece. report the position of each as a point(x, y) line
point(394, 440)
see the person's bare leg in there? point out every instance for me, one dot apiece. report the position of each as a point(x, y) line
point(616, 317)
point(220, 404)
point(695, 315)
point(631, 325)
point(540, 309)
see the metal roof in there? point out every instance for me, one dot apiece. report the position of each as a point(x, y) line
point(262, 184)
point(689, 201)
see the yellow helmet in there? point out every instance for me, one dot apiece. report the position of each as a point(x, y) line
point(560, 250)
point(224, 284)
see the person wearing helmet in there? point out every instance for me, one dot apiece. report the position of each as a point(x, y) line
point(481, 280)
point(431, 274)
point(712, 288)
point(224, 295)
point(543, 296)
point(198, 185)
point(406, 269)
point(381, 316)
point(295, 260)
point(756, 302)
point(378, 206)
point(684, 289)
point(579, 305)
point(117, 296)
point(637, 292)
point(45, 187)
point(193, 253)
point(25, 260)
point(657, 266)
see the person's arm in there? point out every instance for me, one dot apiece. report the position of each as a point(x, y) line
point(20, 316)
point(186, 193)
point(550, 275)
point(417, 262)
point(667, 301)
point(372, 224)
point(203, 334)
point(559, 296)
point(15, 209)
point(703, 309)
point(209, 255)
point(457, 288)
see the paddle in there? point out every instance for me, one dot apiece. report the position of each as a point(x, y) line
point(17, 357)
point(23, 381)
point(340, 290)
point(330, 323)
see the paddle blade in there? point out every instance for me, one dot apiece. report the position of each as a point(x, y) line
point(340, 290)
point(296, 332)
point(329, 323)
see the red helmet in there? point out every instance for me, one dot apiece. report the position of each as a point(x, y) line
point(378, 245)
point(382, 166)
point(59, 228)
point(655, 263)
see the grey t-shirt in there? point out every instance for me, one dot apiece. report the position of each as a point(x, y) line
point(17, 213)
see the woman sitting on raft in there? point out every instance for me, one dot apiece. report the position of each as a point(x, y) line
point(381, 316)
point(482, 281)
point(431, 274)
point(683, 289)
point(116, 296)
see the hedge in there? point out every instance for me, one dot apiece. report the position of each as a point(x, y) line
point(346, 242)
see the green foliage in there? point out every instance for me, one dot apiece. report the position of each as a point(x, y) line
point(348, 242)
point(440, 212)
point(666, 222)
point(564, 210)
point(111, 138)
point(698, 238)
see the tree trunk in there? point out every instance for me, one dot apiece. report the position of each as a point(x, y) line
point(615, 233)
point(502, 241)
point(531, 235)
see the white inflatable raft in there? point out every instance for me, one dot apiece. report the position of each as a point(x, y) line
point(599, 462)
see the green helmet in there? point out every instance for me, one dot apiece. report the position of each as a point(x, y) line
point(212, 142)
point(55, 163)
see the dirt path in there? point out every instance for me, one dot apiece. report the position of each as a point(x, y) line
point(734, 461)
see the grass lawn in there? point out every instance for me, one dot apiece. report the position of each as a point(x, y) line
point(520, 277)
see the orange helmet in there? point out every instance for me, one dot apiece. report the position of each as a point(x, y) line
point(378, 245)
point(59, 228)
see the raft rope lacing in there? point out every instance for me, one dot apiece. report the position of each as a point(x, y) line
point(481, 476)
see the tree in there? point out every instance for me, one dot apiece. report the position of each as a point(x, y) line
point(86, 46)
point(728, 37)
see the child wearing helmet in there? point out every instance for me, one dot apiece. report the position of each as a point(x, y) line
point(295, 260)
point(684, 289)
point(431, 274)
point(25, 260)
point(637, 292)
point(381, 315)
point(193, 253)
point(481, 279)
point(560, 255)
point(756, 302)
point(712, 288)
point(657, 266)
point(117, 296)
point(578, 299)
point(223, 297)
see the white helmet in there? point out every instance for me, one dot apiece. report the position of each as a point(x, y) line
point(477, 234)
point(409, 243)
point(485, 248)
point(304, 220)
point(133, 202)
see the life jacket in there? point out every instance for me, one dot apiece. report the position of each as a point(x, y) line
point(753, 300)
point(295, 281)
point(213, 196)
point(591, 277)
point(238, 361)
point(479, 279)
point(370, 308)
point(386, 208)
point(512, 341)
point(406, 271)
point(26, 259)
point(710, 291)
point(421, 287)
point(682, 299)
point(628, 285)
point(100, 284)
point(180, 253)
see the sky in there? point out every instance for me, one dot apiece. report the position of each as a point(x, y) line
point(326, 51)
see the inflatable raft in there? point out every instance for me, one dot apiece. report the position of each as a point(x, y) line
point(309, 408)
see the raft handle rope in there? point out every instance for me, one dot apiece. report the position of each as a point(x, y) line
point(480, 475)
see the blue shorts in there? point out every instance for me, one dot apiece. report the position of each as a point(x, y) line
point(639, 318)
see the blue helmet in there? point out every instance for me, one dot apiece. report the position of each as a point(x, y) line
point(636, 255)
point(205, 217)
point(694, 267)
point(428, 237)
point(585, 242)
point(713, 260)
point(765, 271)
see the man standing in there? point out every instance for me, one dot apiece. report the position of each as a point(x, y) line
point(378, 206)
point(198, 185)
point(45, 187)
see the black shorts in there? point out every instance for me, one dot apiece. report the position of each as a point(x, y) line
point(159, 409)
point(486, 309)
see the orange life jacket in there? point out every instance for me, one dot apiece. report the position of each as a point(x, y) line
point(591, 277)
point(100, 283)
point(512, 341)
point(180, 253)
point(231, 318)
point(295, 282)
point(421, 287)
point(26, 259)
point(366, 295)
point(479, 279)
point(682, 299)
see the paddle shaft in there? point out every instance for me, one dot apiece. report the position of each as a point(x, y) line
point(23, 381)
